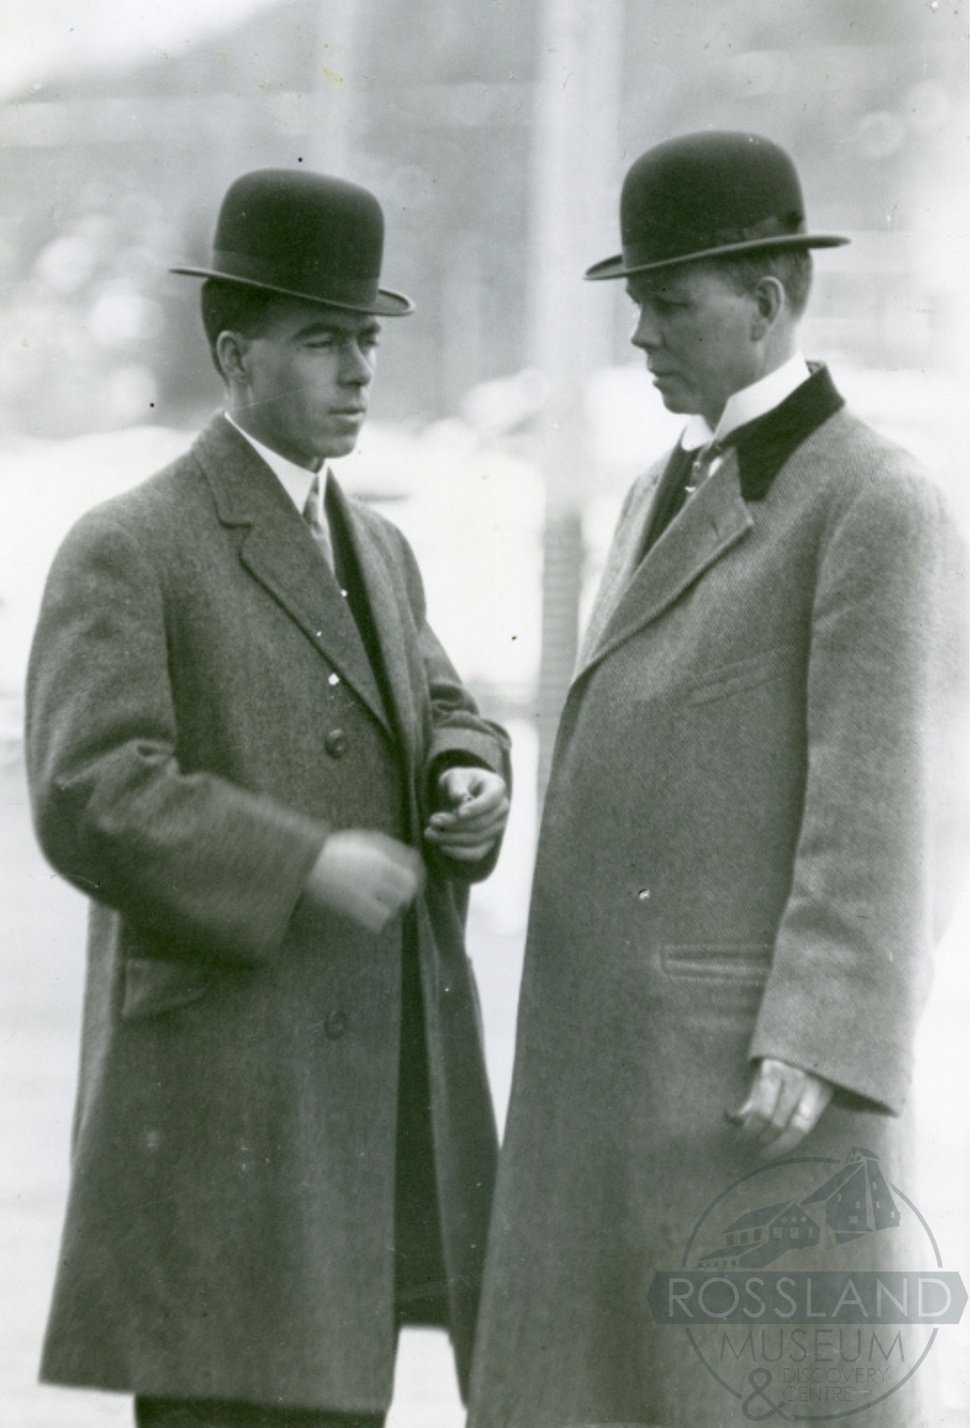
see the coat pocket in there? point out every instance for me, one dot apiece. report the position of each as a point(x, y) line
point(745, 674)
point(152, 985)
point(748, 962)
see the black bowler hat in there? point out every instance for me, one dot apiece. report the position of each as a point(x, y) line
point(704, 196)
point(303, 235)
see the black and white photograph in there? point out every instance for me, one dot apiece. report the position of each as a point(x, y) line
point(484, 713)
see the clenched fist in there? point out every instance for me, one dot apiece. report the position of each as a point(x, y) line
point(365, 876)
point(473, 806)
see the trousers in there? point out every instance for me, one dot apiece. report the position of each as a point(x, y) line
point(218, 1413)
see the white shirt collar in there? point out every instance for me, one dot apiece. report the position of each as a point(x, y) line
point(747, 404)
point(295, 480)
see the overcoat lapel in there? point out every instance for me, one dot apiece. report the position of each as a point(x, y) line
point(634, 594)
point(621, 563)
point(278, 551)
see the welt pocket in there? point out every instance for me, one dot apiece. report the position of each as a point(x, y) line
point(729, 962)
point(744, 674)
point(152, 985)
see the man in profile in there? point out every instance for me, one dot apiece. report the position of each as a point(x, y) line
point(741, 869)
point(247, 747)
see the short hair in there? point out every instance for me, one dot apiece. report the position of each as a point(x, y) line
point(792, 267)
point(233, 307)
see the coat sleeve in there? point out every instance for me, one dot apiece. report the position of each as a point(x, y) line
point(213, 869)
point(458, 733)
point(873, 873)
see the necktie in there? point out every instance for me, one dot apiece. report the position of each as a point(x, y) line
point(316, 518)
point(683, 478)
point(703, 466)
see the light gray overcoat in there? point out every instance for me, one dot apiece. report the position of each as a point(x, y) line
point(737, 859)
point(201, 712)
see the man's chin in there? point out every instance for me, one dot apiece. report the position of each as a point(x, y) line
point(338, 446)
point(674, 398)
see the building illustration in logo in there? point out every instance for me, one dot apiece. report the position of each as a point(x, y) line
point(856, 1200)
point(763, 1235)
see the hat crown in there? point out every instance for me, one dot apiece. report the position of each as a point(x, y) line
point(310, 222)
point(706, 190)
point(303, 235)
point(706, 194)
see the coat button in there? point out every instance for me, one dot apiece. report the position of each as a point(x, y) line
point(336, 743)
point(335, 1025)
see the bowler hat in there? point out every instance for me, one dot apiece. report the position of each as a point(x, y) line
point(303, 235)
point(704, 196)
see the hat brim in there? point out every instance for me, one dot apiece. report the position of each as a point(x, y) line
point(387, 303)
point(616, 267)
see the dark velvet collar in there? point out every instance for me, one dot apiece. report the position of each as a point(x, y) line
point(765, 444)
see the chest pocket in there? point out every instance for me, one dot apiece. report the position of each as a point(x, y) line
point(749, 673)
point(747, 962)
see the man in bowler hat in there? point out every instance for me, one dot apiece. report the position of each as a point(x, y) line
point(247, 747)
point(741, 867)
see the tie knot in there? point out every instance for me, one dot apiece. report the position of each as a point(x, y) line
point(705, 463)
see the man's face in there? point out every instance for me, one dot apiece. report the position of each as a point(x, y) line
point(307, 373)
point(697, 333)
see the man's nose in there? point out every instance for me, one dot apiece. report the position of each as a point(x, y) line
point(356, 368)
point(645, 332)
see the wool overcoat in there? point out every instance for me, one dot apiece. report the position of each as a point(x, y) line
point(201, 713)
point(737, 859)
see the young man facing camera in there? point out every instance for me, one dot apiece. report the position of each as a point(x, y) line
point(247, 747)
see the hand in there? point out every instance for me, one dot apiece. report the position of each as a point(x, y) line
point(783, 1105)
point(365, 876)
point(474, 806)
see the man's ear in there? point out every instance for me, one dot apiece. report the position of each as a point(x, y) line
point(232, 350)
point(770, 302)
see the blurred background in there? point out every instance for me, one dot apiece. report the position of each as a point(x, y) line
point(509, 414)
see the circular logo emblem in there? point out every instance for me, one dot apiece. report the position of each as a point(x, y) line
point(810, 1289)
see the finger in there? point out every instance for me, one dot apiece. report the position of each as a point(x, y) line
point(465, 837)
point(489, 815)
point(399, 885)
point(455, 785)
point(372, 914)
point(758, 1109)
point(441, 819)
point(490, 825)
point(481, 801)
point(802, 1121)
point(469, 855)
point(402, 859)
point(391, 899)
point(789, 1099)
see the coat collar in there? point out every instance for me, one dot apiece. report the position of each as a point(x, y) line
point(635, 591)
point(765, 444)
point(278, 550)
